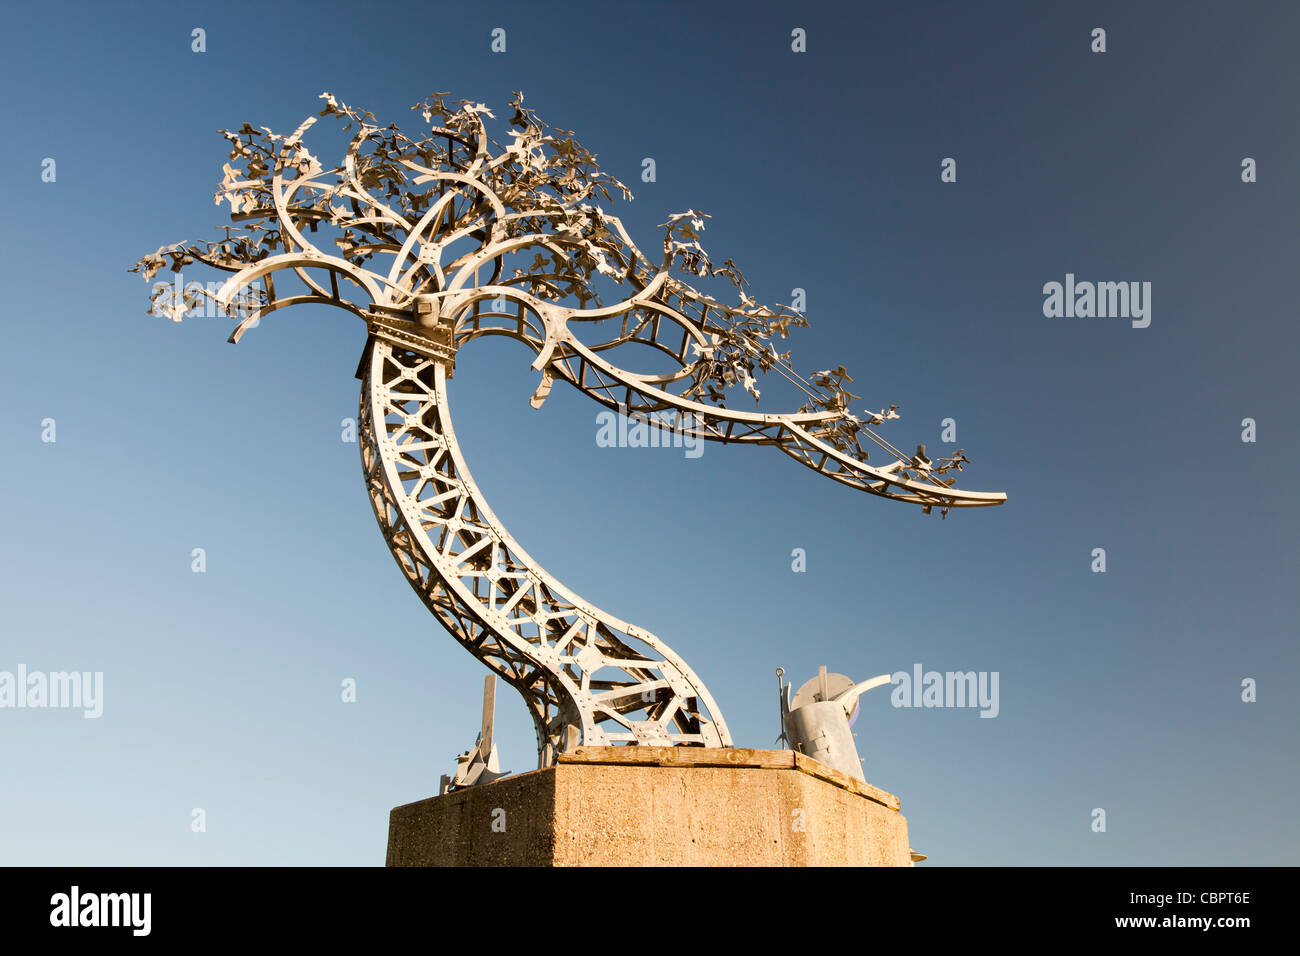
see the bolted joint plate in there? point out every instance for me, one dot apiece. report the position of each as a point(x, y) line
point(420, 328)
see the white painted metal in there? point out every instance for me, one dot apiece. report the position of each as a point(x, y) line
point(816, 721)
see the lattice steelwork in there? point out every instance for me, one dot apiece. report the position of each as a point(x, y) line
point(583, 672)
point(433, 237)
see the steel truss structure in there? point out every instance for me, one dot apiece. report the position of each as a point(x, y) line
point(433, 236)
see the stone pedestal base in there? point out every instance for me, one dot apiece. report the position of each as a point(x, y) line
point(658, 806)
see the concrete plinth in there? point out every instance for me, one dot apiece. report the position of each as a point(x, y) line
point(658, 806)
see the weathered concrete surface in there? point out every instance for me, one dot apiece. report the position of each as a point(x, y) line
point(652, 806)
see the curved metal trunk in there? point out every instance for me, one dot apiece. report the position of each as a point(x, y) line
point(587, 677)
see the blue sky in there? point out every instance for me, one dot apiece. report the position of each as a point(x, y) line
point(1119, 690)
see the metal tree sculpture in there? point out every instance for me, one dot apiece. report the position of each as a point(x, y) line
point(433, 241)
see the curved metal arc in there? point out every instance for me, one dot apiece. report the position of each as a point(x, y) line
point(876, 480)
point(756, 427)
point(253, 318)
point(295, 261)
point(396, 274)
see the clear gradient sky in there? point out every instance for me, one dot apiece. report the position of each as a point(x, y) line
point(1119, 690)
